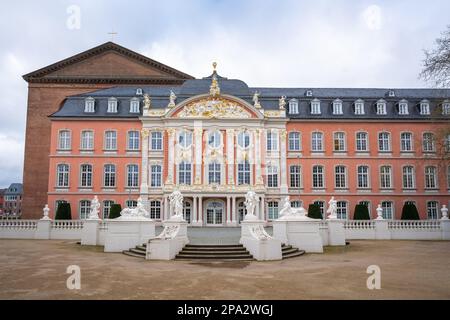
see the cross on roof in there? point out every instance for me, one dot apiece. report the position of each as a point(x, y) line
point(112, 33)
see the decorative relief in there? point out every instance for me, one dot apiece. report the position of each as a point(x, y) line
point(213, 108)
point(274, 113)
point(171, 132)
point(145, 133)
point(155, 112)
point(283, 134)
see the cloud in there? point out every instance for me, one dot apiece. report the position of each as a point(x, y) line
point(11, 163)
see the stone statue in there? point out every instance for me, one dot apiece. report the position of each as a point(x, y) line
point(286, 209)
point(444, 212)
point(176, 204)
point(379, 212)
point(147, 102)
point(282, 102)
point(256, 100)
point(251, 201)
point(287, 212)
point(332, 208)
point(138, 213)
point(172, 99)
point(46, 210)
point(95, 208)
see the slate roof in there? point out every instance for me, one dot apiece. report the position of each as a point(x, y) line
point(74, 105)
point(14, 189)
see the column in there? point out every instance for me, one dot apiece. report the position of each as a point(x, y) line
point(263, 208)
point(257, 135)
point(228, 211)
point(283, 161)
point(171, 146)
point(230, 156)
point(200, 211)
point(194, 213)
point(165, 214)
point(144, 162)
point(234, 211)
point(198, 132)
point(257, 211)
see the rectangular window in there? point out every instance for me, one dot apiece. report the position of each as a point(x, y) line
point(156, 140)
point(184, 174)
point(424, 108)
point(87, 140)
point(110, 140)
point(86, 175)
point(315, 107)
point(408, 177)
point(359, 108)
point(432, 210)
point(156, 176)
point(89, 105)
point(272, 141)
point(131, 204)
point(294, 141)
point(110, 175)
point(64, 142)
point(84, 209)
point(384, 143)
point(430, 178)
point(342, 210)
point(133, 140)
point(155, 210)
point(214, 173)
point(295, 176)
point(273, 210)
point(361, 142)
point(112, 105)
point(363, 177)
point(107, 208)
point(340, 177)
point(388, 209)
point(293, 106)
point(244, 173)
point(62, 176)
point(337, 107)
point(381, 108)
point(339, 141)
point(134, 105)
point(385, 177)
point(406, 141)
point(318, 177)
point(317, 141)
point(428, 142)
point(272, 176)
point(132, 175)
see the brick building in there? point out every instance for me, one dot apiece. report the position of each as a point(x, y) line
point(13, 200)
point(122, 136)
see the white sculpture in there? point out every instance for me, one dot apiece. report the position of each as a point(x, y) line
point(259, 232)
point(95, 209)
point(46, 210)
point(332, 208)
point(286, 209)
point(172, 99)
point(444, 212)
point(251, 201)
point(138, 213)
point(256, 100)
point(176, 204)
point(169, 232)
point(379, 212)
point(282, 102)
point(147, 102)
point(287, 212)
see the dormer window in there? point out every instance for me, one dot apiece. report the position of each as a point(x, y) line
point(293, 106)
point(403, 107)
point(337, 106)
point(391, 93)
point(308, 93)
point(112, 105)
point(315, 106)
point(381, 107)
point(134, 105)
point(424, 107)
point(89, 105)
point(359, 107)
point(139, 92)
point(446, 107)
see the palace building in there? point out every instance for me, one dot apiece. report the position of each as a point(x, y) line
point(118, 125)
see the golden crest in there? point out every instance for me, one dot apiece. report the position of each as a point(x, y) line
point(213, 108)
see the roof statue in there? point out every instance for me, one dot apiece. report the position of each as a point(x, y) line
point(147, 101)
point(172, 99)
point(257, 104)
point(214, 89)
point(282, 102)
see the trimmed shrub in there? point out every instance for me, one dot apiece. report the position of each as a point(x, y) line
point(63, 212)
point(115, 210)
point(361, 212)
point(409, 212)
point(314, 211)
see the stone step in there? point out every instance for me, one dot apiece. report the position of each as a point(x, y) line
point(289, 251)
point(132, 254)
point(218, 252)
point(214, 249)
point(138, 251)
point(294, 254)
point(143, 247)
point(182, 255)
point(214, 246)
point(286, 247)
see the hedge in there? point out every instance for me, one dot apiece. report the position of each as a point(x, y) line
point(115, 210)
point(314, 211)
point(63, 212)
point(361, 212)
point(409, 212)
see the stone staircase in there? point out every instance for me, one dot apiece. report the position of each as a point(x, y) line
point(235, 252)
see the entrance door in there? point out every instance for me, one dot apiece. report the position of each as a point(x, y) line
point(214, 213)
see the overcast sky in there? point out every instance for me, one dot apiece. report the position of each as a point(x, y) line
point(265, 43)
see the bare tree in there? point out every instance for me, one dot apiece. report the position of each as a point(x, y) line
point(437, 62)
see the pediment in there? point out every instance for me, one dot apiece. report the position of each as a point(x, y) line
point(108, 63)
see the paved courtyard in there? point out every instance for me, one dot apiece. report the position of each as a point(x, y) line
point(409, 270)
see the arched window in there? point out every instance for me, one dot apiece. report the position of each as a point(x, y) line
point(295, 176)
point(363, 177)
point(214, 139)
point(243, 139)
point(406, 141)
point(339, 141)
point(155, 175)
point(272, 210)
point(87, 140)
point(337, 107)
point(64, 142)
point(109, 175)
point(342, 210)
point(318, 177)
point(293, 106)
point(321, 205)
point(388, 209)
point(340, 177)
point(432, 210)
point(112, 105)
point(134, 105)
point(428, 142)
point(384, 141)
point(131, 204)
point(317, 141)
point(86, 175)
point(272, 141)
point(185, 139)
point(111, 140)
point(403, 107)
point(272, 176)
point(156, 141)
point(361, 142)
point(132, 175)
point(107, 208)
point(133, 140)
point(89, 105)
point(242, 211)
point(62, 175)
point(359, 107)
point(385, 177)
point(408, 177)
point(430, 177)
point(84, 209)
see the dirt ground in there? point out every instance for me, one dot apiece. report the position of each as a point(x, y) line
point(33, 269)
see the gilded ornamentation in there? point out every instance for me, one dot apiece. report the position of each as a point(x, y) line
point(273, 113)
point(214, 89)
point(155, 112)
point(171, 132)
point(145, 133)
point(283, 134)
point(213, 108)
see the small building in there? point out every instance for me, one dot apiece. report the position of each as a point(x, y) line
point(2, 200)
point(12, 206)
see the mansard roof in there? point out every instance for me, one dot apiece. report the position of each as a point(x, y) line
point(14, 189)
point(269, 99)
